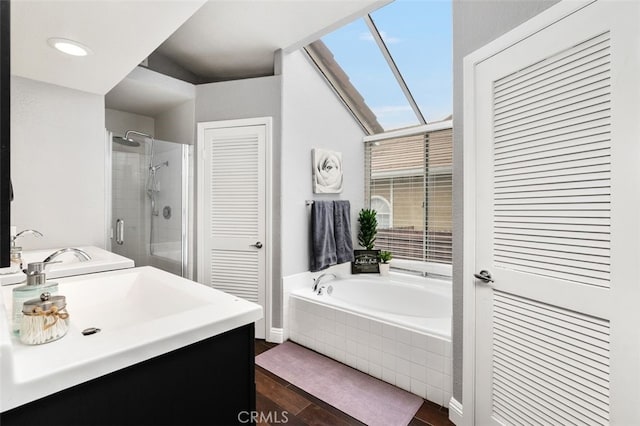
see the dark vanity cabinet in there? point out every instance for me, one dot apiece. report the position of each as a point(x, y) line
point(211, 382)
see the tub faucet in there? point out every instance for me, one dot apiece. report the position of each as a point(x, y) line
point(322, 288)
point(316, 281)
point(82, 255)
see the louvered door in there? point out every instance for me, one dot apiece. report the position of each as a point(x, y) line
point(232, 240)
point(557, 142)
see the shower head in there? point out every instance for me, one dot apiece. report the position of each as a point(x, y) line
point(127, 141)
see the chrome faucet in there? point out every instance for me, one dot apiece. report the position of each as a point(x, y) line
point(25, 232)
point(322, 288)
point(16, 251)
point(82, 255)
point(316, 281)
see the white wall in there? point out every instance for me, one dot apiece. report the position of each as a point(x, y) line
point(313, 117)
point(475, 23)
point(57, 164)
point(177, 124)
point(119, 122)
point(248, 98)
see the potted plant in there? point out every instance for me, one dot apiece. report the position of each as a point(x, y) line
point(385, 257)
point(368, 228)
point(366, 261)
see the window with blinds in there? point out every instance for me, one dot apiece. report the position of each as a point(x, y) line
point(408, 183)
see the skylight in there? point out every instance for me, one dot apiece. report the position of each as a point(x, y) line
point(393, 67)
point(356, 51)
point(418, 35)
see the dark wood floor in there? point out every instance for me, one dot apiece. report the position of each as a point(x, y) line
point(275, 395)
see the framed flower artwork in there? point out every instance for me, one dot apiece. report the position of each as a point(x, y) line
point(327, 171)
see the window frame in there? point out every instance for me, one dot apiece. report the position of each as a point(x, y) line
point(387, 203)
point(423, 268)
point(322, 56)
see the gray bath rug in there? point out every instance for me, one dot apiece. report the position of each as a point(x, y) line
point(361, 396)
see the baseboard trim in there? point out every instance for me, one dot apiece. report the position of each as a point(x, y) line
point(455, 411)
point(276, 335)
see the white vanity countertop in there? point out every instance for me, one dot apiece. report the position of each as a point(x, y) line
point(101, 261)
point(142, 313)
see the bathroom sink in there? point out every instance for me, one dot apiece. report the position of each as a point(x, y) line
point(140, 296)
point(101, 261)
point(142, 313)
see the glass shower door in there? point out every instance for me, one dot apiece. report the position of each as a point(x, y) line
point(149, 203)
point(166, 190)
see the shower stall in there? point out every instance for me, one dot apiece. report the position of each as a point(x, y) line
point(149, 201)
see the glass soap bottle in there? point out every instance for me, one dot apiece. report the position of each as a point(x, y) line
point(15, 265)
point(36, 284)
point(44, 319)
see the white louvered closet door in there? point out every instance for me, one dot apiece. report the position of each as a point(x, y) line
point(558, 197)
point(234, 222)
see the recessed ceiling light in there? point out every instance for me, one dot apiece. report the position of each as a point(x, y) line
point(69, 47)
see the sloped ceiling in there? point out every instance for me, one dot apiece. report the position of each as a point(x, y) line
point(120, 33)
point(215, 40)
point(227, 40)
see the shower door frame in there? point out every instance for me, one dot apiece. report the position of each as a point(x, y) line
point(185, 270)
point(108, 187)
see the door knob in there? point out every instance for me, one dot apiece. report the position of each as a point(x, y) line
point(484, 276)
point(257, 245)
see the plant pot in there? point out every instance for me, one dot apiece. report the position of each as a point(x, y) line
point(384, 268)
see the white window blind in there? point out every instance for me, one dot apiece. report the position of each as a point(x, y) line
point(411, 177)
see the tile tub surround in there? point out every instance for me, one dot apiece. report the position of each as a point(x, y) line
point(414, 361)
point(305, 280)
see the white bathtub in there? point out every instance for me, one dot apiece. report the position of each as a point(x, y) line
point(397, 332)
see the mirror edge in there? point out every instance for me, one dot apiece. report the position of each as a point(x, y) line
point(5, 135)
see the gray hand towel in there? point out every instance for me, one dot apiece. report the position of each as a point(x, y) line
point(323, 243)
point(342, 230)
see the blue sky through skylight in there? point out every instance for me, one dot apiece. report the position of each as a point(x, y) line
point(418, 35)
point(357, 53)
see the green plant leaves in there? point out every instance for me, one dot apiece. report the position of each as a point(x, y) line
point(368, 228)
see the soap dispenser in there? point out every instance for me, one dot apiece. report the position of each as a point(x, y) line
point(36, 284)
